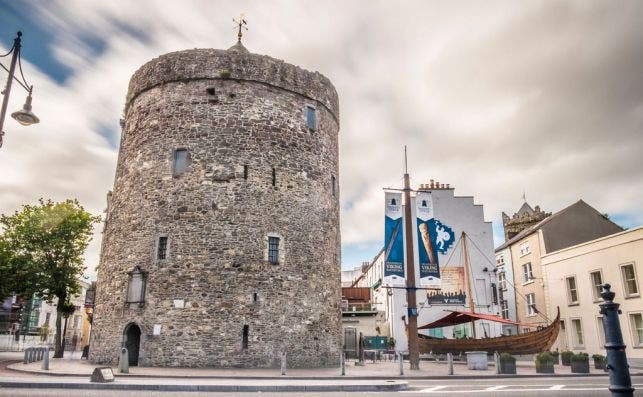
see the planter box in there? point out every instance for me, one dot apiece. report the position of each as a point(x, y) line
point(508, 368)
point(580, 367)
point(545, 368)
point(599, 364)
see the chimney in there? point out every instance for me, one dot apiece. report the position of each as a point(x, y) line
point(431, 183)
point(448, 186)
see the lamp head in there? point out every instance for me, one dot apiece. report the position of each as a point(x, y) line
point(25, 116)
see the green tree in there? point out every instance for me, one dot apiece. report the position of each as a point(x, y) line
point(41, 251)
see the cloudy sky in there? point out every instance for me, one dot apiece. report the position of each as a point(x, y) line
point(495, 98)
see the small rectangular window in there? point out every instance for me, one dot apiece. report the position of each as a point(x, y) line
point(505, 309)
point(245, 171)
point(502, 281)
point(244, 340)
point(597, 284)
point(311, 117)
point(161, 252)
point(332, 183)
point(531, 304)
point(527, 274)
point(572, 293)
point(629, 280)
point(180, 161)
point(577, 329)
point(636, 320)
point(273, 250)
point(274, 177)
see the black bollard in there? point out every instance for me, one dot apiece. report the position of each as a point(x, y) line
point(619, 370)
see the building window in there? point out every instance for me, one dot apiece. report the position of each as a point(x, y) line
point(274, 176)
point(500, 260)
point(180, 163)
point(527, 274)
point(502, 281)
point(47, 318)
point(244, 339)
point(636, 321)
point(246, 169)
point(577, 328)
point(494, 294)
point(597, 284)
point(332, 184)
point(76, 322)
point(255, 297)
point(161, 249)
point(524, 248)
point(572, 293)
point(601, 331)
point(136, 286)
point(629, 280)
point(531, 304)
point(311, 117)
point(273, 250)
point(504, 306)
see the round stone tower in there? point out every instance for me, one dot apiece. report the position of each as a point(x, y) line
point(221, 243)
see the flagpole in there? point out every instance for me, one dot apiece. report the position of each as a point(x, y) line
point(414, 352)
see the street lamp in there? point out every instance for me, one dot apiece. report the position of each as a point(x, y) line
point(24, 116)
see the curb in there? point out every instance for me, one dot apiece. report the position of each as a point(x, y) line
point(396, 386)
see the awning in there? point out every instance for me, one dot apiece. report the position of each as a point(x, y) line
point(455, 318)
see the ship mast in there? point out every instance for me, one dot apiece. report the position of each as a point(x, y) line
point(414, 351)
point(467, 275)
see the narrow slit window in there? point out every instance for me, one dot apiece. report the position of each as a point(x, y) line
point(180, 161)
point(255, 297)
point(161, 251)
point(311, 117)
point(333, 182)
point(273, 250)
point(244, 340)
point(246, 169)
point(274, 176)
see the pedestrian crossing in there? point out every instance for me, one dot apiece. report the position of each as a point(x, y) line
point(512, 388)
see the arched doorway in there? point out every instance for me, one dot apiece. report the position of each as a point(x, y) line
point(132, 339)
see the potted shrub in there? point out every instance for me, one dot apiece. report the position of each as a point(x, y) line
point(545, 363)
point(566, 357)
point(507, 364)
point(556, 356)
point(580, 363)
point(599, 361)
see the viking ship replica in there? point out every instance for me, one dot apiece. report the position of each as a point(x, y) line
point(527, 343)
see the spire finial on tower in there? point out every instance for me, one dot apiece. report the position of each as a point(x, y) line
point(240, 25)
point(524, 196)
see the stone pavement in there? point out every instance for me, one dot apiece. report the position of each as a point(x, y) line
point(378, 370)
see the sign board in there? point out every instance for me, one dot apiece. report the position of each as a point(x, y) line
point(157, 330)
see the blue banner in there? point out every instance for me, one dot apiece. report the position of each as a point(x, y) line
point(433, 238)
point(393, 240)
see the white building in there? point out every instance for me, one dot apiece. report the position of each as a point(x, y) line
point(506, 290)
point(460, 214)
point(573, 277)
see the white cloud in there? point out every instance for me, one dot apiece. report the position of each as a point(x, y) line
point(491, 97)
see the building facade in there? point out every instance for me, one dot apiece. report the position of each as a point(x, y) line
point(459, 214)
point(506, 290)
point(222, 244)
point(574, 276)
point(575, 224)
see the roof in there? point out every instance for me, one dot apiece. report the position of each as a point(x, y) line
point(525, 209)
point(580, 205)
point(455, 318)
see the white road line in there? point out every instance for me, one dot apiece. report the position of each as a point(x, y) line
point(557, 387)
point(432, 389)
point(492, 388)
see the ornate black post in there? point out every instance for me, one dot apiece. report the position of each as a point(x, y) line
point(620, 381)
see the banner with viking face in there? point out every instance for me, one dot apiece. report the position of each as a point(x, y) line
point(393, 240)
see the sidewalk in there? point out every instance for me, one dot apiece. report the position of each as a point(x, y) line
point(379, 370)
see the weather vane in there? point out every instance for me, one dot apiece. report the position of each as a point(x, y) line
point(240, 22)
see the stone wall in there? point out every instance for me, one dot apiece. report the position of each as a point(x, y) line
point(217, 220)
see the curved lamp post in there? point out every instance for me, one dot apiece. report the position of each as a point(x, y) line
point(24, 116)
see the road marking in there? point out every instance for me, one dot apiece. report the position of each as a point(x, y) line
point(557, 387)
point(432, 389)
point(492, 388)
